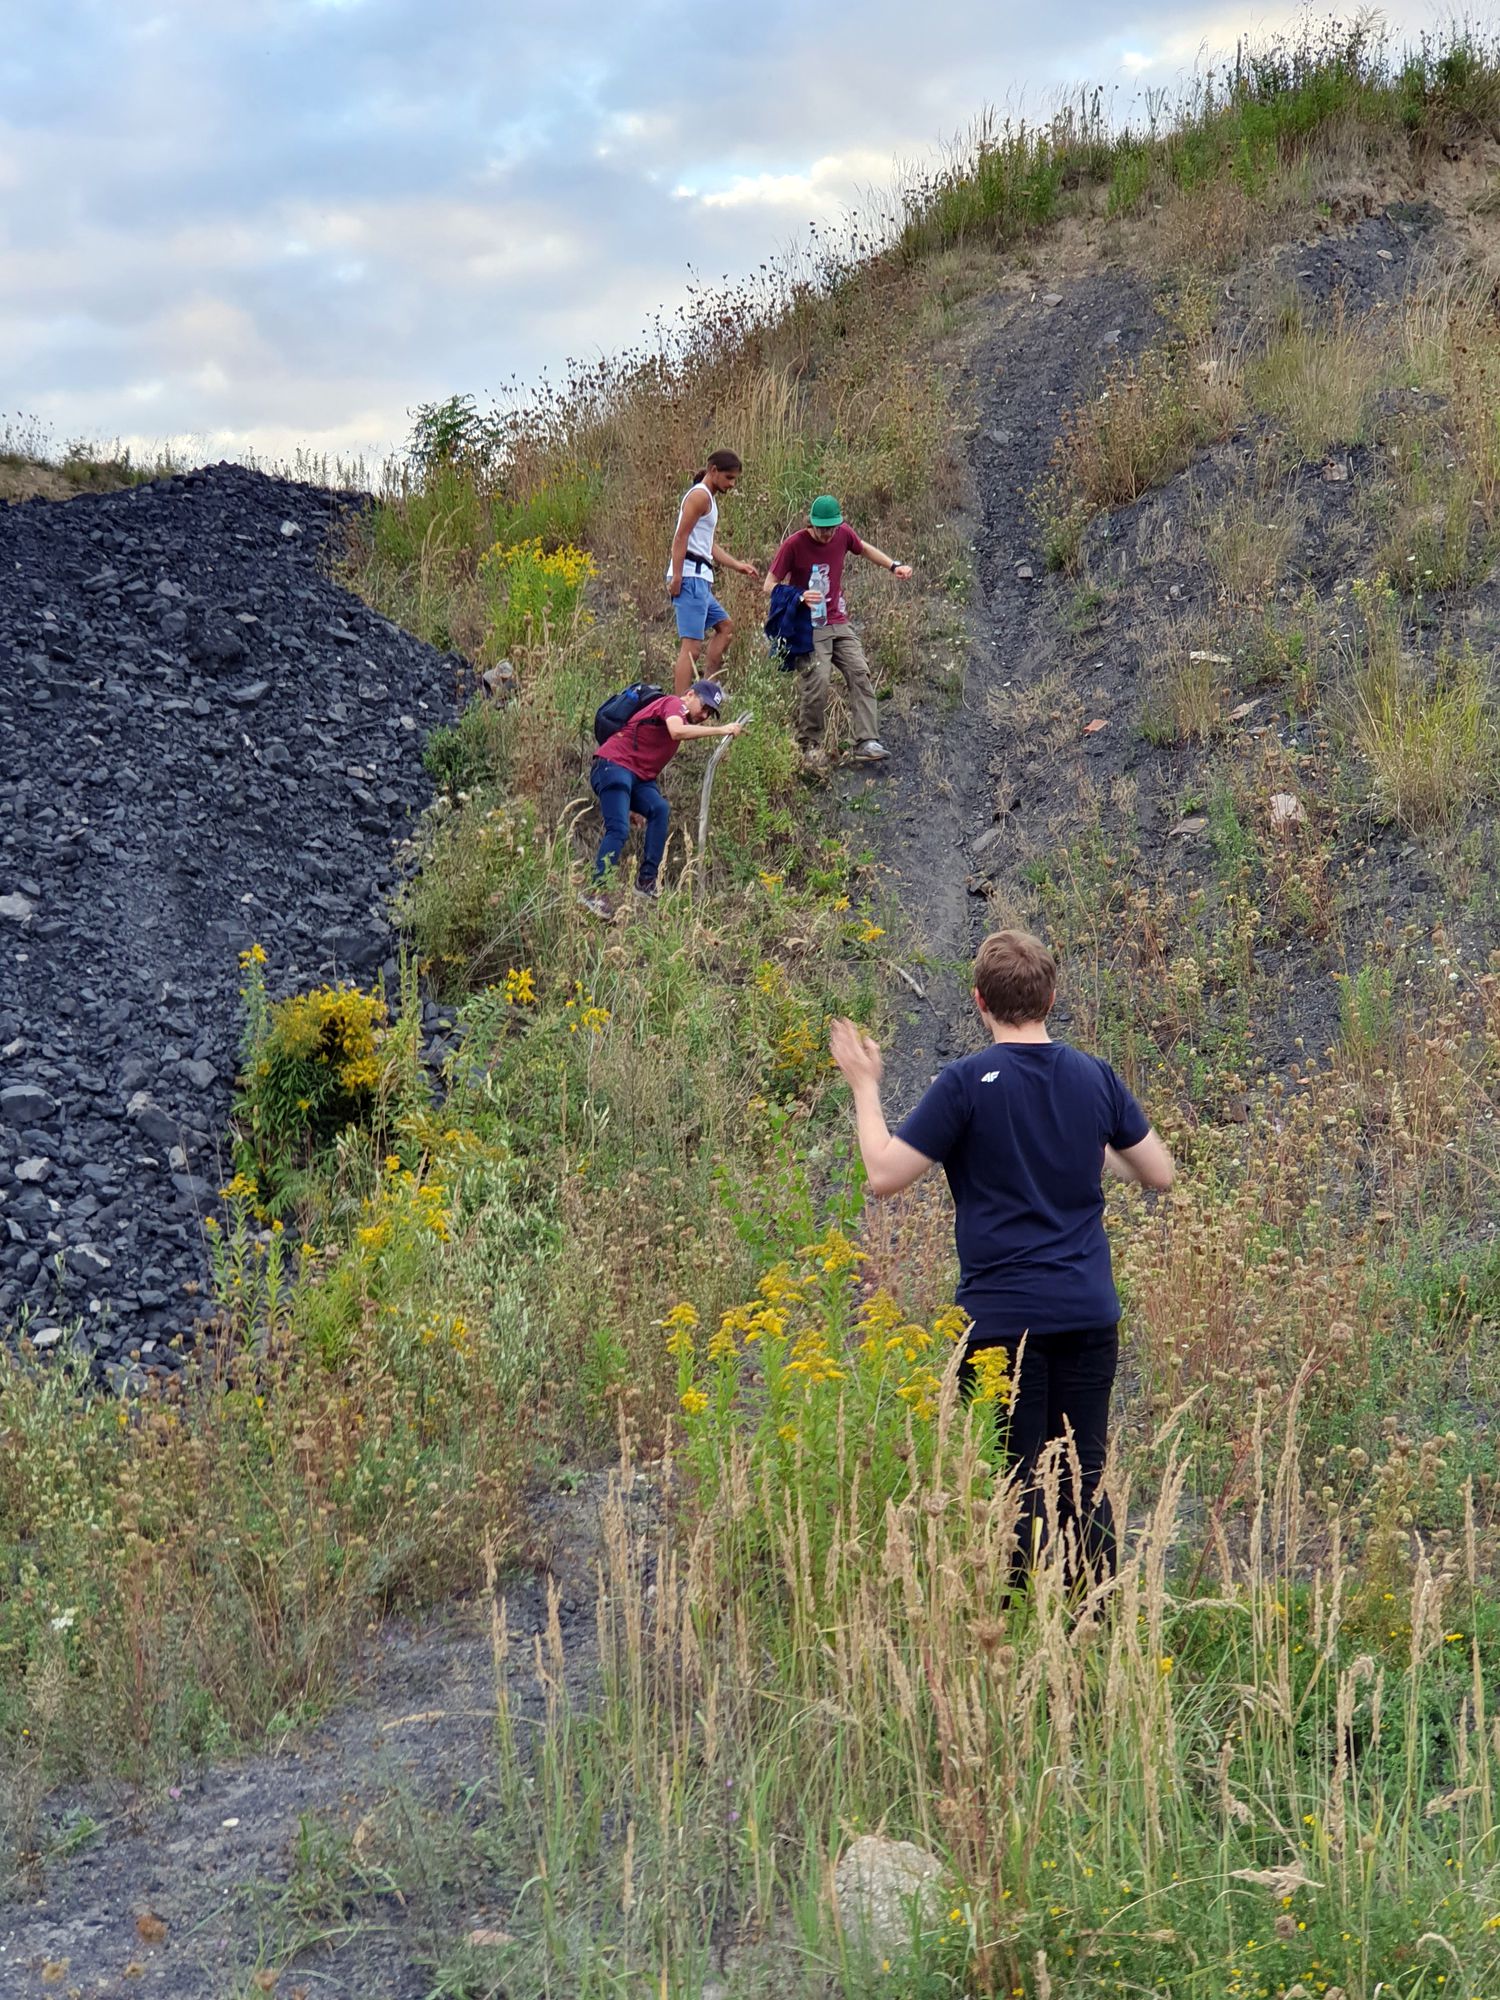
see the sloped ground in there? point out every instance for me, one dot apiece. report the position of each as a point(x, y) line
point(979, 797)
point(206, 744)
point(1036, 357)
point(319, 1864)
point(982, 800)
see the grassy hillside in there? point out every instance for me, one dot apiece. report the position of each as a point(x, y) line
point(1265, 1763)
point(33, 467)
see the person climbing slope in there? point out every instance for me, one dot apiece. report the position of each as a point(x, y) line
point(1025, 1129)
point(625, 770)
point(690, 570)
point(813, 561)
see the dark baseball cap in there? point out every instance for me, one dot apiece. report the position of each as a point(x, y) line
point(710, 693)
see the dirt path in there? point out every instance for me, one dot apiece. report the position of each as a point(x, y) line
point(962, 785)
point(255, 1868)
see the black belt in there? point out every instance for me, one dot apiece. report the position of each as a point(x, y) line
point(701, 561)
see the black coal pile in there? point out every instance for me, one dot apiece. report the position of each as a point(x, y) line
point(204, 744)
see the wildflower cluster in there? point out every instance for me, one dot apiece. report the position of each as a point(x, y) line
point(394, 1255)
point(253, 993)
point(583, 1011)
point(530, 590)
point(313, 1067)
point(252, 1286)
point(791, 1037)
point(445, 1329)
point(425, 1203)
point(335, 1027)
point(809, 1360)
point(520, 989)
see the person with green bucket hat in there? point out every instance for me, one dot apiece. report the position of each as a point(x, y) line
point(813, 561)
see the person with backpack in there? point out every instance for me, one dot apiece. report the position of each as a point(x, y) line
point(690, 570)
point(631, 756)
point(1025, 1130)
point(812, 563)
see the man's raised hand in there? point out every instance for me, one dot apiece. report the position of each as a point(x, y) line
point(856, 1053)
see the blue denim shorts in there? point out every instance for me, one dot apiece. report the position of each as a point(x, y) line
point(698, 610)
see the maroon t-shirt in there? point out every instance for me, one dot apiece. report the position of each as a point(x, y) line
point(645, 746)
point(799, 555)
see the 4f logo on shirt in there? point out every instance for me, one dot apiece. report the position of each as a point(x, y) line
point(989, 1076)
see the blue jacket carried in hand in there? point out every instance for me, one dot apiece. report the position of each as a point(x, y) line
point(789, 628)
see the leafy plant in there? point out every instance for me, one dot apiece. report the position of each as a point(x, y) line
point(313, 1068)
point(529, 591)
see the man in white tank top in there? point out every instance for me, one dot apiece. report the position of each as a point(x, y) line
point(690, 571)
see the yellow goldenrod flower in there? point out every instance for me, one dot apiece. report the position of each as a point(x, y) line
point(992, 1383)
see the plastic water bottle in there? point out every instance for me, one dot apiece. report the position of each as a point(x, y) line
point(818, 581)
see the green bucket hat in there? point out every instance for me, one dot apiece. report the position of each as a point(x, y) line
point(825, 512)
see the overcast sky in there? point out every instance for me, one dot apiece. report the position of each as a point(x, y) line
point(268, 224)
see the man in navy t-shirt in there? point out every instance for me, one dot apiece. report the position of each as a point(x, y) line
point(1024, 1130)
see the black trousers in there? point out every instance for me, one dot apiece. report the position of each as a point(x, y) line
point(1062, 1387)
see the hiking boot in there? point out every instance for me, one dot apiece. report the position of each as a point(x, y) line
point(871, 751)
point(647, 893)
point(599, 906)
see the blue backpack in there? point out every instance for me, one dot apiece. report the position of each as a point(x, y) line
point(611, 716)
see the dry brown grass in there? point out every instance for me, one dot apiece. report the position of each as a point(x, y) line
point(1316, 383)
point(1214, 227)
point(1250, 538)
point(1146, 422)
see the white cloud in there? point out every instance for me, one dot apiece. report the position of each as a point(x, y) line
point(836, 181)
point(291, 221)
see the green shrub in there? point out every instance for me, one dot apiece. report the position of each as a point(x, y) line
point(1430, 741)
point(471, 752)
point(487, 893)
point(314, 1066)
point(530, 593)
point(558, 510)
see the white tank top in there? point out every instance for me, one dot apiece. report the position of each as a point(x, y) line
point(700, 541)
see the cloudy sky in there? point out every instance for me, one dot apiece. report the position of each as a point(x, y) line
point(268, 224)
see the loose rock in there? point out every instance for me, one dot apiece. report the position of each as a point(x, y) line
point(886, 1889)
point(146, 840)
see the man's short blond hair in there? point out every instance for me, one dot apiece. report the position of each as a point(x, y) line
point(1016, 977)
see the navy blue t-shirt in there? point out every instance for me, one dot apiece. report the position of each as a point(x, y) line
point(1020, 1129)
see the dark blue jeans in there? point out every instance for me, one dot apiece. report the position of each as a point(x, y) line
point(620, 793)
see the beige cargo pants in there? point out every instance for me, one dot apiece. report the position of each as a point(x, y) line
point(834, 646)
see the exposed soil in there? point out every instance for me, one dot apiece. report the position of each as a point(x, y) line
point(1034, 360)
point(1015, 773)
point(278, 1864)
